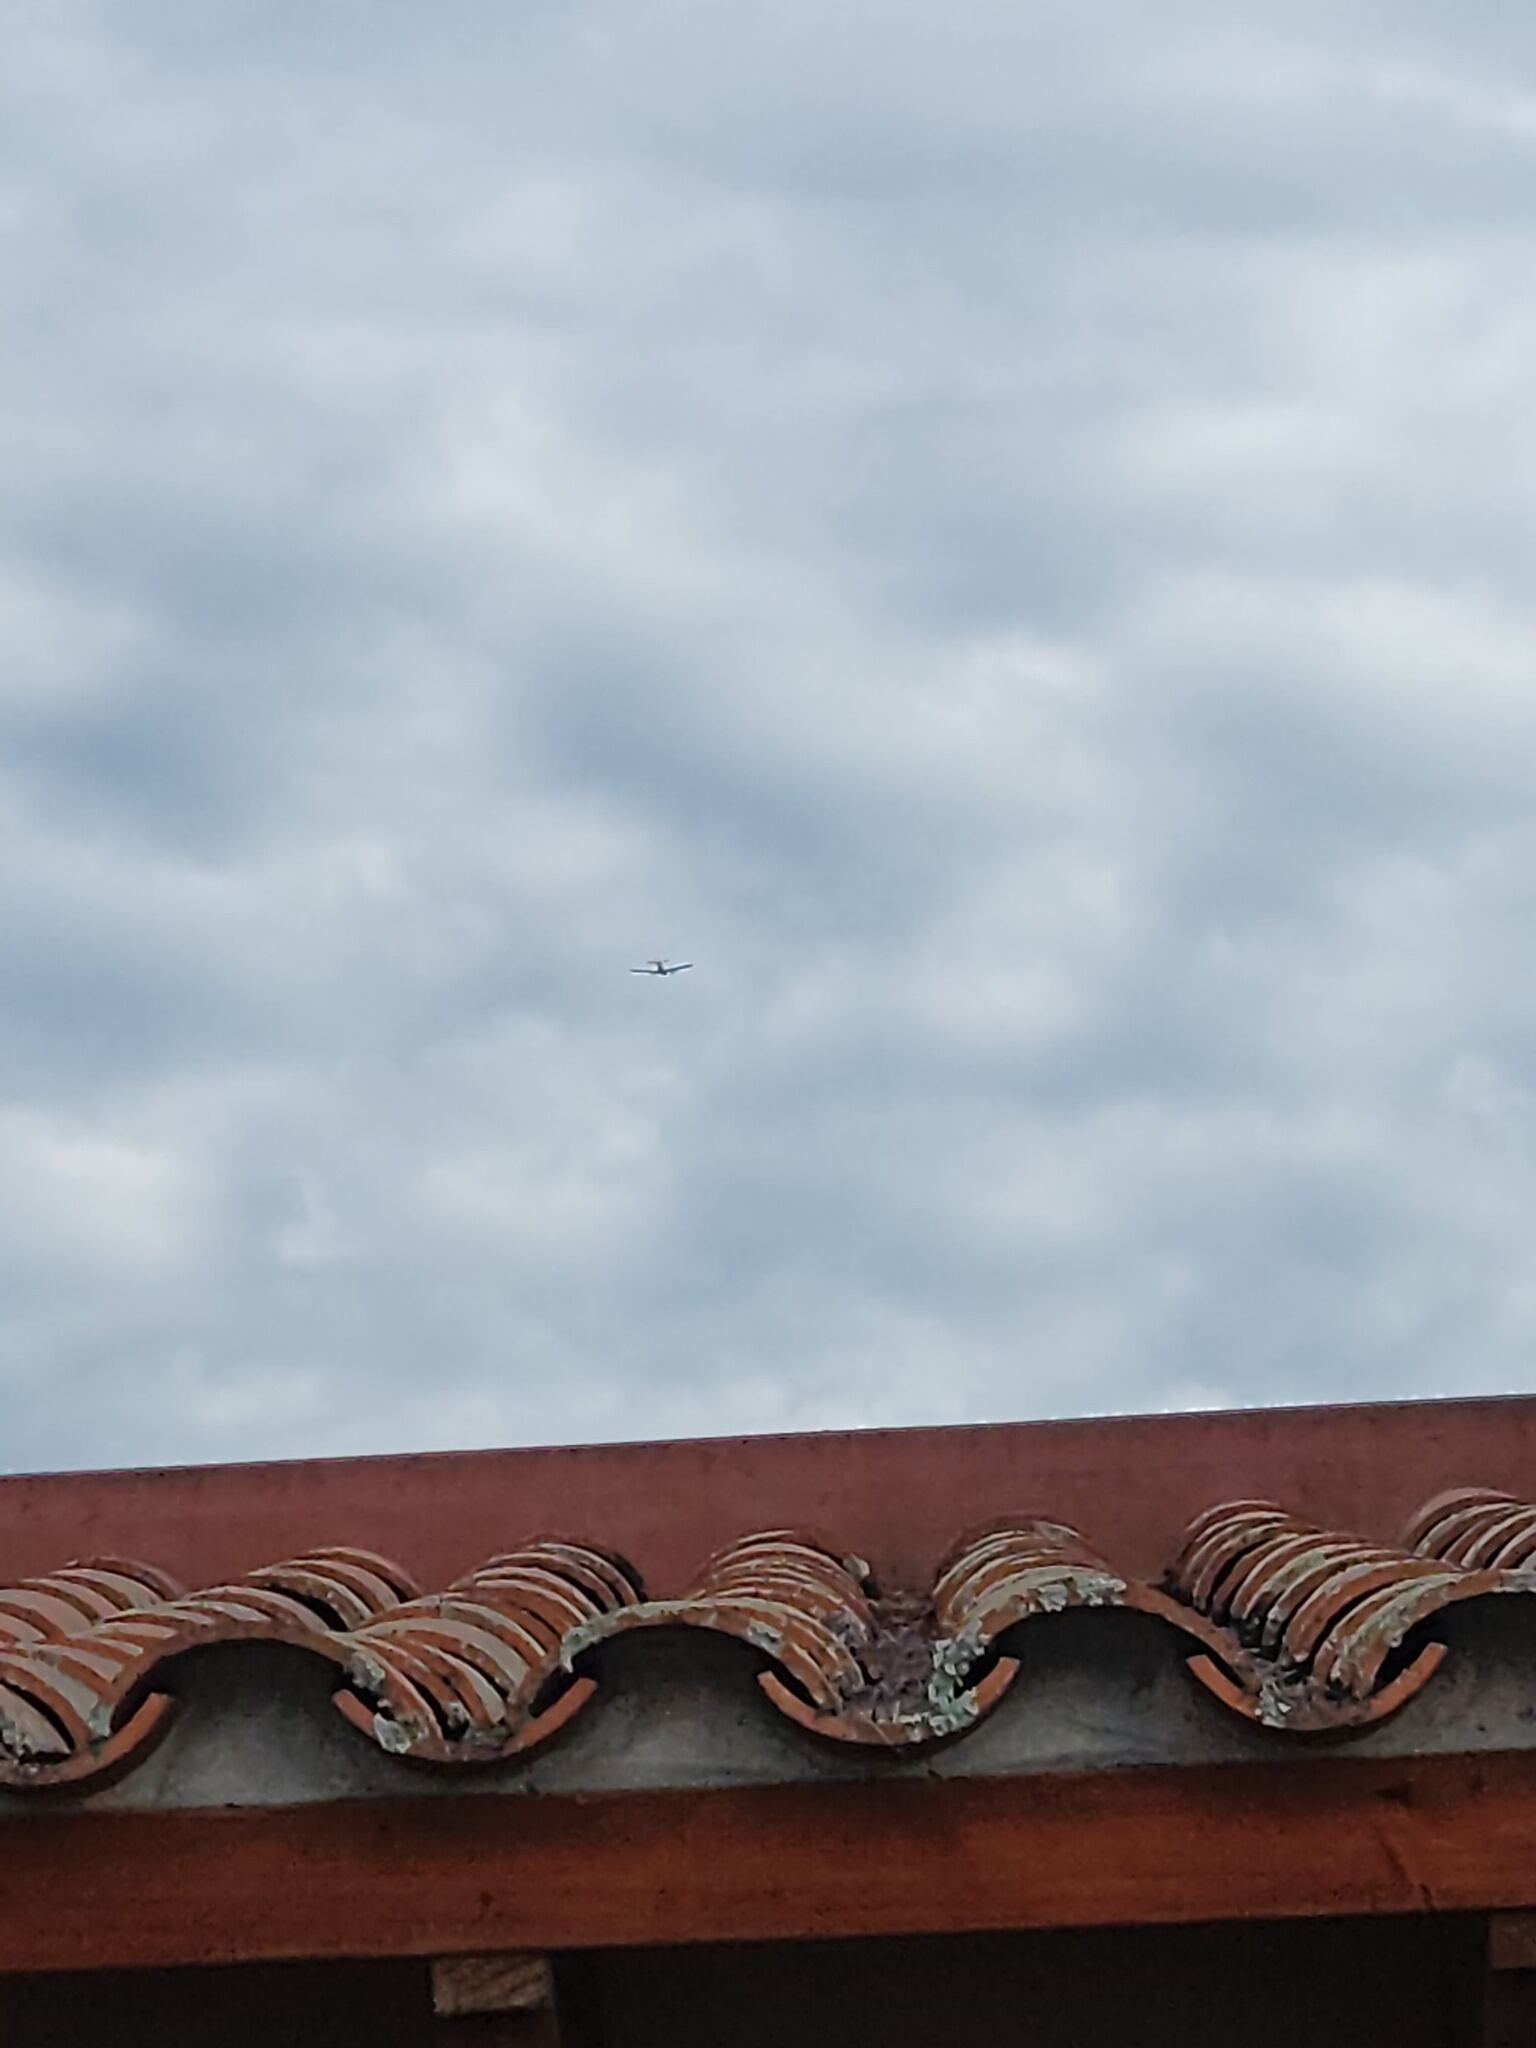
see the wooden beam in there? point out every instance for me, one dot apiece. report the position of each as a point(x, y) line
point(440, 1876)
point(509, 1998)
point(1512, 1941)
point(513, 1982)
point(1509, 1990)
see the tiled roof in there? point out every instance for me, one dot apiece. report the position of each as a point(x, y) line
point(1289, 1625)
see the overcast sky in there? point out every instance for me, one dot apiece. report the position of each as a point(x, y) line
point(1002, 532)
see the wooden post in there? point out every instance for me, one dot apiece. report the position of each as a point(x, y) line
point(1509, 1982)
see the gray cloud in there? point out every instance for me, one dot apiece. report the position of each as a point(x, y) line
point(1009, 544)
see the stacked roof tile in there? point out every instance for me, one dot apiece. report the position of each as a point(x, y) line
point(1291, 1626)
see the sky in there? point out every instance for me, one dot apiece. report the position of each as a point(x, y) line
point(1004, 534)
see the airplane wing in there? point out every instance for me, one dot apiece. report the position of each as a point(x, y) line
point(678, 969)
point(642, 970)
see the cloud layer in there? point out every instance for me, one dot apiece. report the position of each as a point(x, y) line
point(1008, 541)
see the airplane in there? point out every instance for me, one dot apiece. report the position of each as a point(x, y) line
point(662, 967)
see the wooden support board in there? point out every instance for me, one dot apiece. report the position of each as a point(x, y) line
point(438, 1876)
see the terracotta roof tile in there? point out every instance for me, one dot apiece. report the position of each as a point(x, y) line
point(1294, 1627)
point(1476, 1527)
point(460, 1676)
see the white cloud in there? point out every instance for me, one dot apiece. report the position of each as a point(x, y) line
point(1009, 550)
point(93, 1204)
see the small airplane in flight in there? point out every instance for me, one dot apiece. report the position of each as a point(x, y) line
point(662, 967)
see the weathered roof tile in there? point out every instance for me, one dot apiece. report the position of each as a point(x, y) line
point(1294, 1627)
